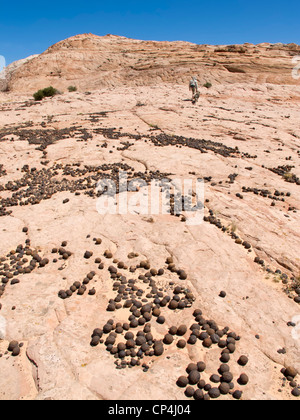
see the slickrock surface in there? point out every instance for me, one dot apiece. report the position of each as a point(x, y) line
point(74, 282)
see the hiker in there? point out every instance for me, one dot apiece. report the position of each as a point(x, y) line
point(193, 86)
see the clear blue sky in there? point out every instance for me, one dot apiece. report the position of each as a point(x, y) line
point(30, 27)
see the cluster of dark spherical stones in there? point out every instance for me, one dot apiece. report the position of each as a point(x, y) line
point(45, 137)
point(63, 253)
point(212, 219)
point(290, 374)
point(20, 261)
point(2, 171)
point(276, 196)
point(143, 306)
point(132, 341)
point(285, 172)
point(96, 116)
point(38, 185)
point(78, 287)
point(202, 145)
point(134, 296)
point(14, 347)
point(132, 348)
point(297, 291)
point(164, 139)
point(220, 383)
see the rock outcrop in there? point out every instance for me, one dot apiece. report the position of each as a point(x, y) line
point(7, 72)
point(92, 62)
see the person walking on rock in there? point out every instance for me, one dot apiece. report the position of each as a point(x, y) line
point(193, 86)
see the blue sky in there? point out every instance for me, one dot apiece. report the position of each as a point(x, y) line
point(30, 27)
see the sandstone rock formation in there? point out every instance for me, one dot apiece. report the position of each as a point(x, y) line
point(6, 73)
point(241, 138)
point(92, 62)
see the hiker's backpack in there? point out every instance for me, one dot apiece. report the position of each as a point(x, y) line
point(192, 83)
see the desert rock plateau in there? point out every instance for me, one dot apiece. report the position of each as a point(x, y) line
point(133, 306)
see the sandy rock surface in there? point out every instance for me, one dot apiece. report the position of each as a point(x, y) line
point(232, 138)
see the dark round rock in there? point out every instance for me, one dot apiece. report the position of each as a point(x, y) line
point(182, 274)
point(215, 378)
point(181, 330)
point(12, 345)
point(158, 348)
point(222, 344)
point(122, 354)
point(130, 344)
point(111, 339)
point(181, 344)
point(201, 366)
point(197, 312)
point(168, 339)
point(121, 347)
point(97, 331)
point(181, 304)
point(290, 371)
point(223, 368)
point(140, 340)
point(237, 395)
point(129, 335)
point(146, 308)
point(88, 254)
point(191, 367)
point(215, 338)
point(207, 342)
point(201, 384)
point(173, 304)
point(16, 351)
point(107, 328)
point(224, 388)
point(198, 394)
point(189, 392)
point(134, 323)
point(203, 335)
point(194, 377)
point(214, 393)
point(95, 340)
point(243, 379)
point(182, 382)
point(111, 307)
point(15, 281)
point(161, 319)
point(225, 358)
point(145, 347)
point(156, 312)
point(192, 339)
point(173, 330)
point(231, 347)
point(296, 392)
point(243, 360)
point(227, 377)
